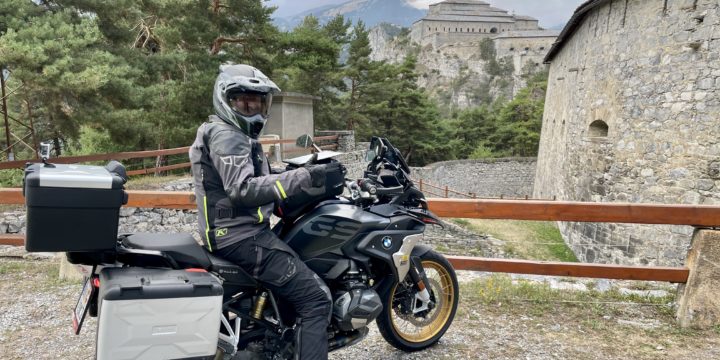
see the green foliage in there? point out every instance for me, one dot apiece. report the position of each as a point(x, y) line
point(11, 178)
point(308, 62)
point(94, 141)
point(487, 49)
point(142, 70)
point(138, 74)
point(502, 129)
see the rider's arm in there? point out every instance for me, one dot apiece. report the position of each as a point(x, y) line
point(232, 159)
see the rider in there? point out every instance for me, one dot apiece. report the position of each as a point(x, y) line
point(236, 193)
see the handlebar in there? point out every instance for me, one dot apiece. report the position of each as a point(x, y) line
point(390, 190)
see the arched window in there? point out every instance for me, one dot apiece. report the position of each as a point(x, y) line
point(512, 49)
point(493, 30)
point(455, 29)
point(598, 128)
point(428, 28)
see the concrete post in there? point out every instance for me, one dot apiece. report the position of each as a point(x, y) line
point(698, 300)
point(68, 271)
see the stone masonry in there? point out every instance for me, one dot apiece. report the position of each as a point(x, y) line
point(486, 178)
point(632, 114)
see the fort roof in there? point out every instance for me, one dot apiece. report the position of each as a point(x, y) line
point(472, 2)
point(469, 18)
point(528, 34)
point(572, 24)
point(480, 11)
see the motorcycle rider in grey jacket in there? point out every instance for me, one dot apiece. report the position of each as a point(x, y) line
point(236, 193)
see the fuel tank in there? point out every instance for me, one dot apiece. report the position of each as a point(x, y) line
point(329, 226)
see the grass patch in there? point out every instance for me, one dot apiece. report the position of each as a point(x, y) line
point(535, 240)
point(501, 291)
point(44, 273)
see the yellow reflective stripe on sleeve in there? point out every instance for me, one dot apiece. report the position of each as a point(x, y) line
point(260, 215)
point(282, 191)
point(207, 223)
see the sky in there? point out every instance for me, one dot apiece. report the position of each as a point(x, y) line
point(550, 12)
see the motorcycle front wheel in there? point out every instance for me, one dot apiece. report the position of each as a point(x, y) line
point(408, 329)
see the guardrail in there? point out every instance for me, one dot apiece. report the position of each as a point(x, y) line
point(695, 215)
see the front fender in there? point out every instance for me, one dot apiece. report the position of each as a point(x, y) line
point(420, 250)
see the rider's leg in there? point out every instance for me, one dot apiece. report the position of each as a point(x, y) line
point(276, 265)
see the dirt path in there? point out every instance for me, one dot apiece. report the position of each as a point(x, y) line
point(35, 324)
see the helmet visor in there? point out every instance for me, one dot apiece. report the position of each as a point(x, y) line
point(250, 103)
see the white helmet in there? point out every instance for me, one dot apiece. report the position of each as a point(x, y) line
point(242, 97)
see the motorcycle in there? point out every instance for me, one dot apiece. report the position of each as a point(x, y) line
point(364, 245)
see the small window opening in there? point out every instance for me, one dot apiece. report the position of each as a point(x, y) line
point(598, 128)
point(493, 31)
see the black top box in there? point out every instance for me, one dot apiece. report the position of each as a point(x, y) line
point(72, 207)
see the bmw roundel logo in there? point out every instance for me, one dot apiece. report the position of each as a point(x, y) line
point(387, 242)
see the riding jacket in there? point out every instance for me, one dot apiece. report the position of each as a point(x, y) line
point(235, 190)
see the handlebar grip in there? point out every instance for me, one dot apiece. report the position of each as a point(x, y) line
point(368, 187)
point(390, 190)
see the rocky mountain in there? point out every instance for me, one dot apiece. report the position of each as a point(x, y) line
point(371, 12)
point(456, 76)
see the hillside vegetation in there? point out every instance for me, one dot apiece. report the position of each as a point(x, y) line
point(95, 77)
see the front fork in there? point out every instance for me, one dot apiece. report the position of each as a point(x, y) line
point(420, 281)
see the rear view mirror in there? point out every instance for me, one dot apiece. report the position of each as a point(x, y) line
point(304, 141)
point(376, 149)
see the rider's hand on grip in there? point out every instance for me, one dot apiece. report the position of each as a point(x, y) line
point(327, 175)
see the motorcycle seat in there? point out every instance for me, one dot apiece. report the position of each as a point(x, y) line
point(180, 247)
point(187, 253)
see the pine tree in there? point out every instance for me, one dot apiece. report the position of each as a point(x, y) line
point(357, 72)
point(59, 67)
point(308, 62)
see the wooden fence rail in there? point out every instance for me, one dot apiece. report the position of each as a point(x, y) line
point(696, 215)
point(19, 164)
point(671, 214)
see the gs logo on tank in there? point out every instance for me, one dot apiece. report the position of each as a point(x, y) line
point(340, 229)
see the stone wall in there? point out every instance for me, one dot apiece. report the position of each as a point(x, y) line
point(524, 51)
point(489, 178)
point(632, 114)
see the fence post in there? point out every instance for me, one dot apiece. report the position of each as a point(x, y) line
point(446, 191)
point(421, 185)
point(698, 303)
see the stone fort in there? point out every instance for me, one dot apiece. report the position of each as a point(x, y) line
point(632, 114)
point(458, 23)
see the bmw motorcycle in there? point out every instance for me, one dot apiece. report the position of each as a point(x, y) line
point(365, 245)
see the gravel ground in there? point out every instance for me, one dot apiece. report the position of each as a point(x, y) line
point(35, 323)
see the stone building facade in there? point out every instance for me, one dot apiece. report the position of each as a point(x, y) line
point(461, 21)
point(632, 114)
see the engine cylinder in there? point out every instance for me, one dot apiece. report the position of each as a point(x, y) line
point(356, 308)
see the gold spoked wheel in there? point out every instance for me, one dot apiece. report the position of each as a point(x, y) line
point(410, 325)
point(426, 324)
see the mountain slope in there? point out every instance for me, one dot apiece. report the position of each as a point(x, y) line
point(371, 12)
